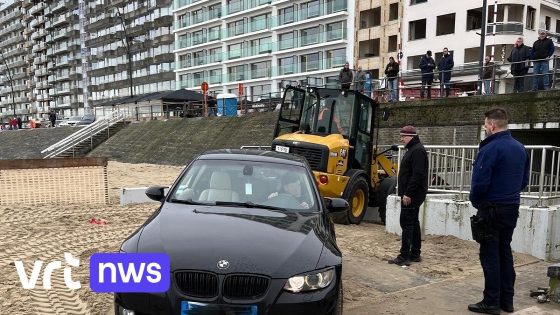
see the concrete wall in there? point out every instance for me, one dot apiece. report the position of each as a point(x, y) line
point(459, 120)
point(537, 232)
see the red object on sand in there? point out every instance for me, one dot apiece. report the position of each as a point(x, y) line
point(93, 220)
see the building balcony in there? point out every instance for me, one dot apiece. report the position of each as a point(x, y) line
point(43, 97)
point(38, 22)
point(205, 17)
point(179, 4)
point(57, 6)
point(39, 47)
point(505, 28)
point(38, 7)
point(14, 15)
point(321, 38)
point(243, 5)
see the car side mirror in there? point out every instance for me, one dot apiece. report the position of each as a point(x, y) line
point(395, 147)
point(156, 193)
point(336, 204)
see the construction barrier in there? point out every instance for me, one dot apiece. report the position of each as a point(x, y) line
point(54, 181)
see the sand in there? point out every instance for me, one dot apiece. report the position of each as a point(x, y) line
point(46, 232)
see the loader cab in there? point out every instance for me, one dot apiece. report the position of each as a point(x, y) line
point(323, 112)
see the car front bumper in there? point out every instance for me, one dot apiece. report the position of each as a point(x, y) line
point(277, 301)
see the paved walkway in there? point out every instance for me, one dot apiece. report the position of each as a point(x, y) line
point(451, 296)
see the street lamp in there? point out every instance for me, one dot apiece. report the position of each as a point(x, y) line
point(127, 40)
point(11, 81)
point(482, 45)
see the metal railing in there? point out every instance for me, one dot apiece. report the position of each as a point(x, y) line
point(450, 171)
point(84, 134)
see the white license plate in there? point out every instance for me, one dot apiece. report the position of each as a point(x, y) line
point(281, 148)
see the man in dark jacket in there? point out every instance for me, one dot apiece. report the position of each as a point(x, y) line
point(500, 173)
point(412, 188)
point(519, 57)
point(427, 66)
point(392, 73)
point(345, 77)
point(488, 74)
point(445, 65)
point(543, 49)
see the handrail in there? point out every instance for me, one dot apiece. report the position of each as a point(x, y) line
point(83, 134)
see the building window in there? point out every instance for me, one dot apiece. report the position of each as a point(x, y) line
point(393, 11)
point(259, 92)
point(286, 15)
point(392, 43)
point(474, 19)
point(547, 21)
point(234, 6)
point(445, 24)
point(261, 46)
point(336, 58)
point(260, 22)
point(336, 6)
point(197, 16)
point(412, 2)
point(215, 76)
point(310, 36)
point(215, 55)
point(286, 65)
point(370, 18)
point(260, 70)
point(235, 28)
point(335, 31)
point(235, 51)
point(369, 48)
point(198, 38)
point(236, 73)
point(215, 11)
point(417, 29)
point(286, 41)
point(214, 33)
point(530, 22)
point(310, 9)
point(310, 62)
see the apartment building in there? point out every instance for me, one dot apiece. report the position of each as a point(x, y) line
point(261, 45)
point(139, 31)
point(13, 70)
point(377, 34)
point(435, 24)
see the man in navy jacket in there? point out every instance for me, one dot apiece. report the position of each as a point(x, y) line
point(445, 66)
point(500, 173)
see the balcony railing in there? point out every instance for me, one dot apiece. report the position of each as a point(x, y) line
point(513, 28)
point(242, 5)
point(199, 18)
point(320, 10)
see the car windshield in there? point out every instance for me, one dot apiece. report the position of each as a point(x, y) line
point(246, 184)
point(330, 114)
point(76, 118)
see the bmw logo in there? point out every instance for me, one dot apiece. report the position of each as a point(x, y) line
point(223, 264)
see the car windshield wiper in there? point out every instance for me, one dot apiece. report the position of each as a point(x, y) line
point(247, 204)
point(191, 202)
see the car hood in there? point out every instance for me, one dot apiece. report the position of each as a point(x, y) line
point(252, 240)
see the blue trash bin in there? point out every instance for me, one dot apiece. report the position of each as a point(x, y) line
point(226, 104)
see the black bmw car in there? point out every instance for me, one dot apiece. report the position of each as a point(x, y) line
point(247, 233)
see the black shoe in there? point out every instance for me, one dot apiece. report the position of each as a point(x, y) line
point(507, 308)
point(481, 307)
point(400, 261)
point(416, 259)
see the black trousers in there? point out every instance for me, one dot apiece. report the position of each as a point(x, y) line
point(411, 236)
point(496, 258)
point(426, 89)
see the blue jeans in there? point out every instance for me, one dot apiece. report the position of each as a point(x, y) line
point(496, 258)
point(540, 72)
point(487, 87)
point(392, 85)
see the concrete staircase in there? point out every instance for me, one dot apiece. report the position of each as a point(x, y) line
point(87, 138)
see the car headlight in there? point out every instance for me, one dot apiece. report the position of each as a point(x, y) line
point(310, 282)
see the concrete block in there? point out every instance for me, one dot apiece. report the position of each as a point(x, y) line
point(136, 195)
point(537, 232)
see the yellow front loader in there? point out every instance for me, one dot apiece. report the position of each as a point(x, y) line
point(334, 130)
